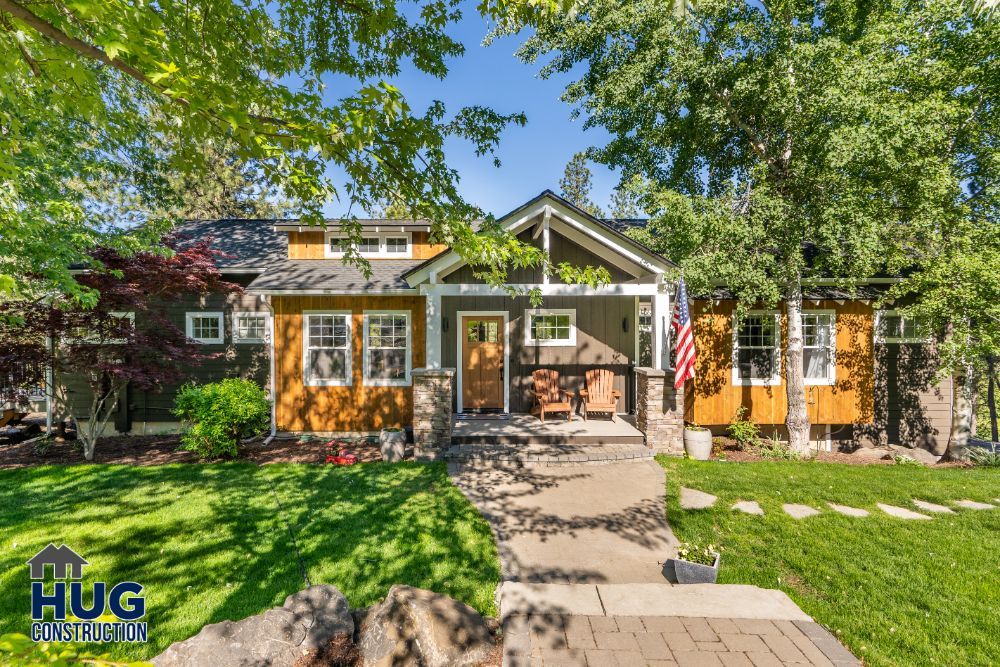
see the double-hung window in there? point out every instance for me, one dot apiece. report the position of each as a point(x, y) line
point(757, 349)
point(251, 327)
point(552, 328)
point(387, 348)
point(819, 338)
point(326, 344)
point(205, 328)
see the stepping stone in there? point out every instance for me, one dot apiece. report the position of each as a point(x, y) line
point(901, 512)
point(693, 499)
point(748, 507)
point(973, 505)
point(931, 507)
point(846, 510)
point(799, 511)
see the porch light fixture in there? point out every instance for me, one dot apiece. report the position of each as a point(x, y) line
point(625, 324)
point(444, 323)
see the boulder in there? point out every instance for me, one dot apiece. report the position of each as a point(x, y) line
point(417, 627)
point(307, 623)
point(922, 455)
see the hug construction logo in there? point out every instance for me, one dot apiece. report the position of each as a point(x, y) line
point(112, 615)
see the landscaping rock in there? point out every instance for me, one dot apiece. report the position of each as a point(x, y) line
point(900, 512)
point(799, 511)
point(932, 507)
point(922, 455)
point(848, 511)
point(693, 499)
point(749, 507)
point(417, 627)
point(310, 621)
point(974, 505)
point(874, 453)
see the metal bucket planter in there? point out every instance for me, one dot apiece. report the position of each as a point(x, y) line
point(698, 443)
point(392, 442)
point(687, 572)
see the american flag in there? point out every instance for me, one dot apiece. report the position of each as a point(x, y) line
point(684, 366)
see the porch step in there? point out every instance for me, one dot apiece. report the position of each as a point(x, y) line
point(546, 455)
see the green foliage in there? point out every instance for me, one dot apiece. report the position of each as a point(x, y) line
point(220, 414)
point(773, 448)
point(210, 542)
point(985, 458)
point(904, 460)
point(18, 649)
point(693, 553)
point(743, 429)
point(107, 107)
point(576, 185)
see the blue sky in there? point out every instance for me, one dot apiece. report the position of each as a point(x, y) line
point(533, 156)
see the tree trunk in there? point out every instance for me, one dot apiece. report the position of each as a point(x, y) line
point(963, 405)
point(991, 399)
point(101, 409)
point(797, 420)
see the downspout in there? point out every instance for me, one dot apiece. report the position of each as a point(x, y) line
point(274, 396)
point(50, 387)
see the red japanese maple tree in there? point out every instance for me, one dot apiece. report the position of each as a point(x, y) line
point(127, 338)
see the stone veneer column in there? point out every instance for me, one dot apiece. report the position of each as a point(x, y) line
point(659, 410)
point(432, 398)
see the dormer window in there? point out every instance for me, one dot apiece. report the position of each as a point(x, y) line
point(382, 245)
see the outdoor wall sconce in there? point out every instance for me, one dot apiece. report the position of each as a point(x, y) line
point(444, 323)
point(625, 324)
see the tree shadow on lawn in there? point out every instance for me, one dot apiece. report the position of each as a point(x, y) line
point(209, 544)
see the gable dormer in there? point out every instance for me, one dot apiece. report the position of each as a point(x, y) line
point(380, 239)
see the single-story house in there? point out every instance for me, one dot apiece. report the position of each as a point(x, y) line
point(423, 338)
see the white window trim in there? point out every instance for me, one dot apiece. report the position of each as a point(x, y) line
point(531, 342)
point(348, 367)
point(386, 382)
point(832, 367)
point(189, 326)
point(250, 313)
point(775, 379)
point(382, 253)
point(895, 340)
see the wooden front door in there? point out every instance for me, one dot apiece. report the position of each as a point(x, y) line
point(482, 362)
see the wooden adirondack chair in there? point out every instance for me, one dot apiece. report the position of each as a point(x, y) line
point(549, 397)
point(600, 394)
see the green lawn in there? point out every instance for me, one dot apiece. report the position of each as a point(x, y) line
point(896, 592)
point(208, 542)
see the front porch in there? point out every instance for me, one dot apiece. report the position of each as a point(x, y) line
point(522, 429)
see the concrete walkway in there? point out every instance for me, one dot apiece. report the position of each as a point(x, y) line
point(575, 524)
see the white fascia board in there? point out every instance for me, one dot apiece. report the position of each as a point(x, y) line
point(331, 292)
point(615, 289)
point(645, 260)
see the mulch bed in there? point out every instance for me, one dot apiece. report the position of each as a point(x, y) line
point(160, 449)
point(729, 450)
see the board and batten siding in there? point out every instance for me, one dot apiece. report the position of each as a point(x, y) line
point(715, 399)
point(357, 408)
point(601, 341)
point(312, 245)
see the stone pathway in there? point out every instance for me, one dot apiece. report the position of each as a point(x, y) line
point(846, 510)
point(693, 499)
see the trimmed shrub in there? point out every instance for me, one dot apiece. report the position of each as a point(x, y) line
point(219, 414)
point(743, 429)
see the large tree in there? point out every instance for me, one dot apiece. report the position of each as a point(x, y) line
point(576, 184)
point(784, 141)
point(98, 91)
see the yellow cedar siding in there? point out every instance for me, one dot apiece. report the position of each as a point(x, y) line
point(312, 245)
point(358, 407)
point(715, 399)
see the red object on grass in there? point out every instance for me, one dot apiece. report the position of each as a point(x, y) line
point(343, 458)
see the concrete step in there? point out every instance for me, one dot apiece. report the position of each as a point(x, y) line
point(546, 454)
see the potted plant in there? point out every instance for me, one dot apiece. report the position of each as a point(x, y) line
point(696, 565)
point(697, 442)
point(392, 442)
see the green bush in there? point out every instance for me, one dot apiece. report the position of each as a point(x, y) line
point(219, 414)
point(743, 430)
point(986, 458)
point(774, 448)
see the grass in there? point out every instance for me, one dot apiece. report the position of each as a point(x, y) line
point(896, 592)
point(209, 543)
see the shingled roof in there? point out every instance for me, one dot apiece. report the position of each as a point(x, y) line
point(332, 274)
point(247, 243)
